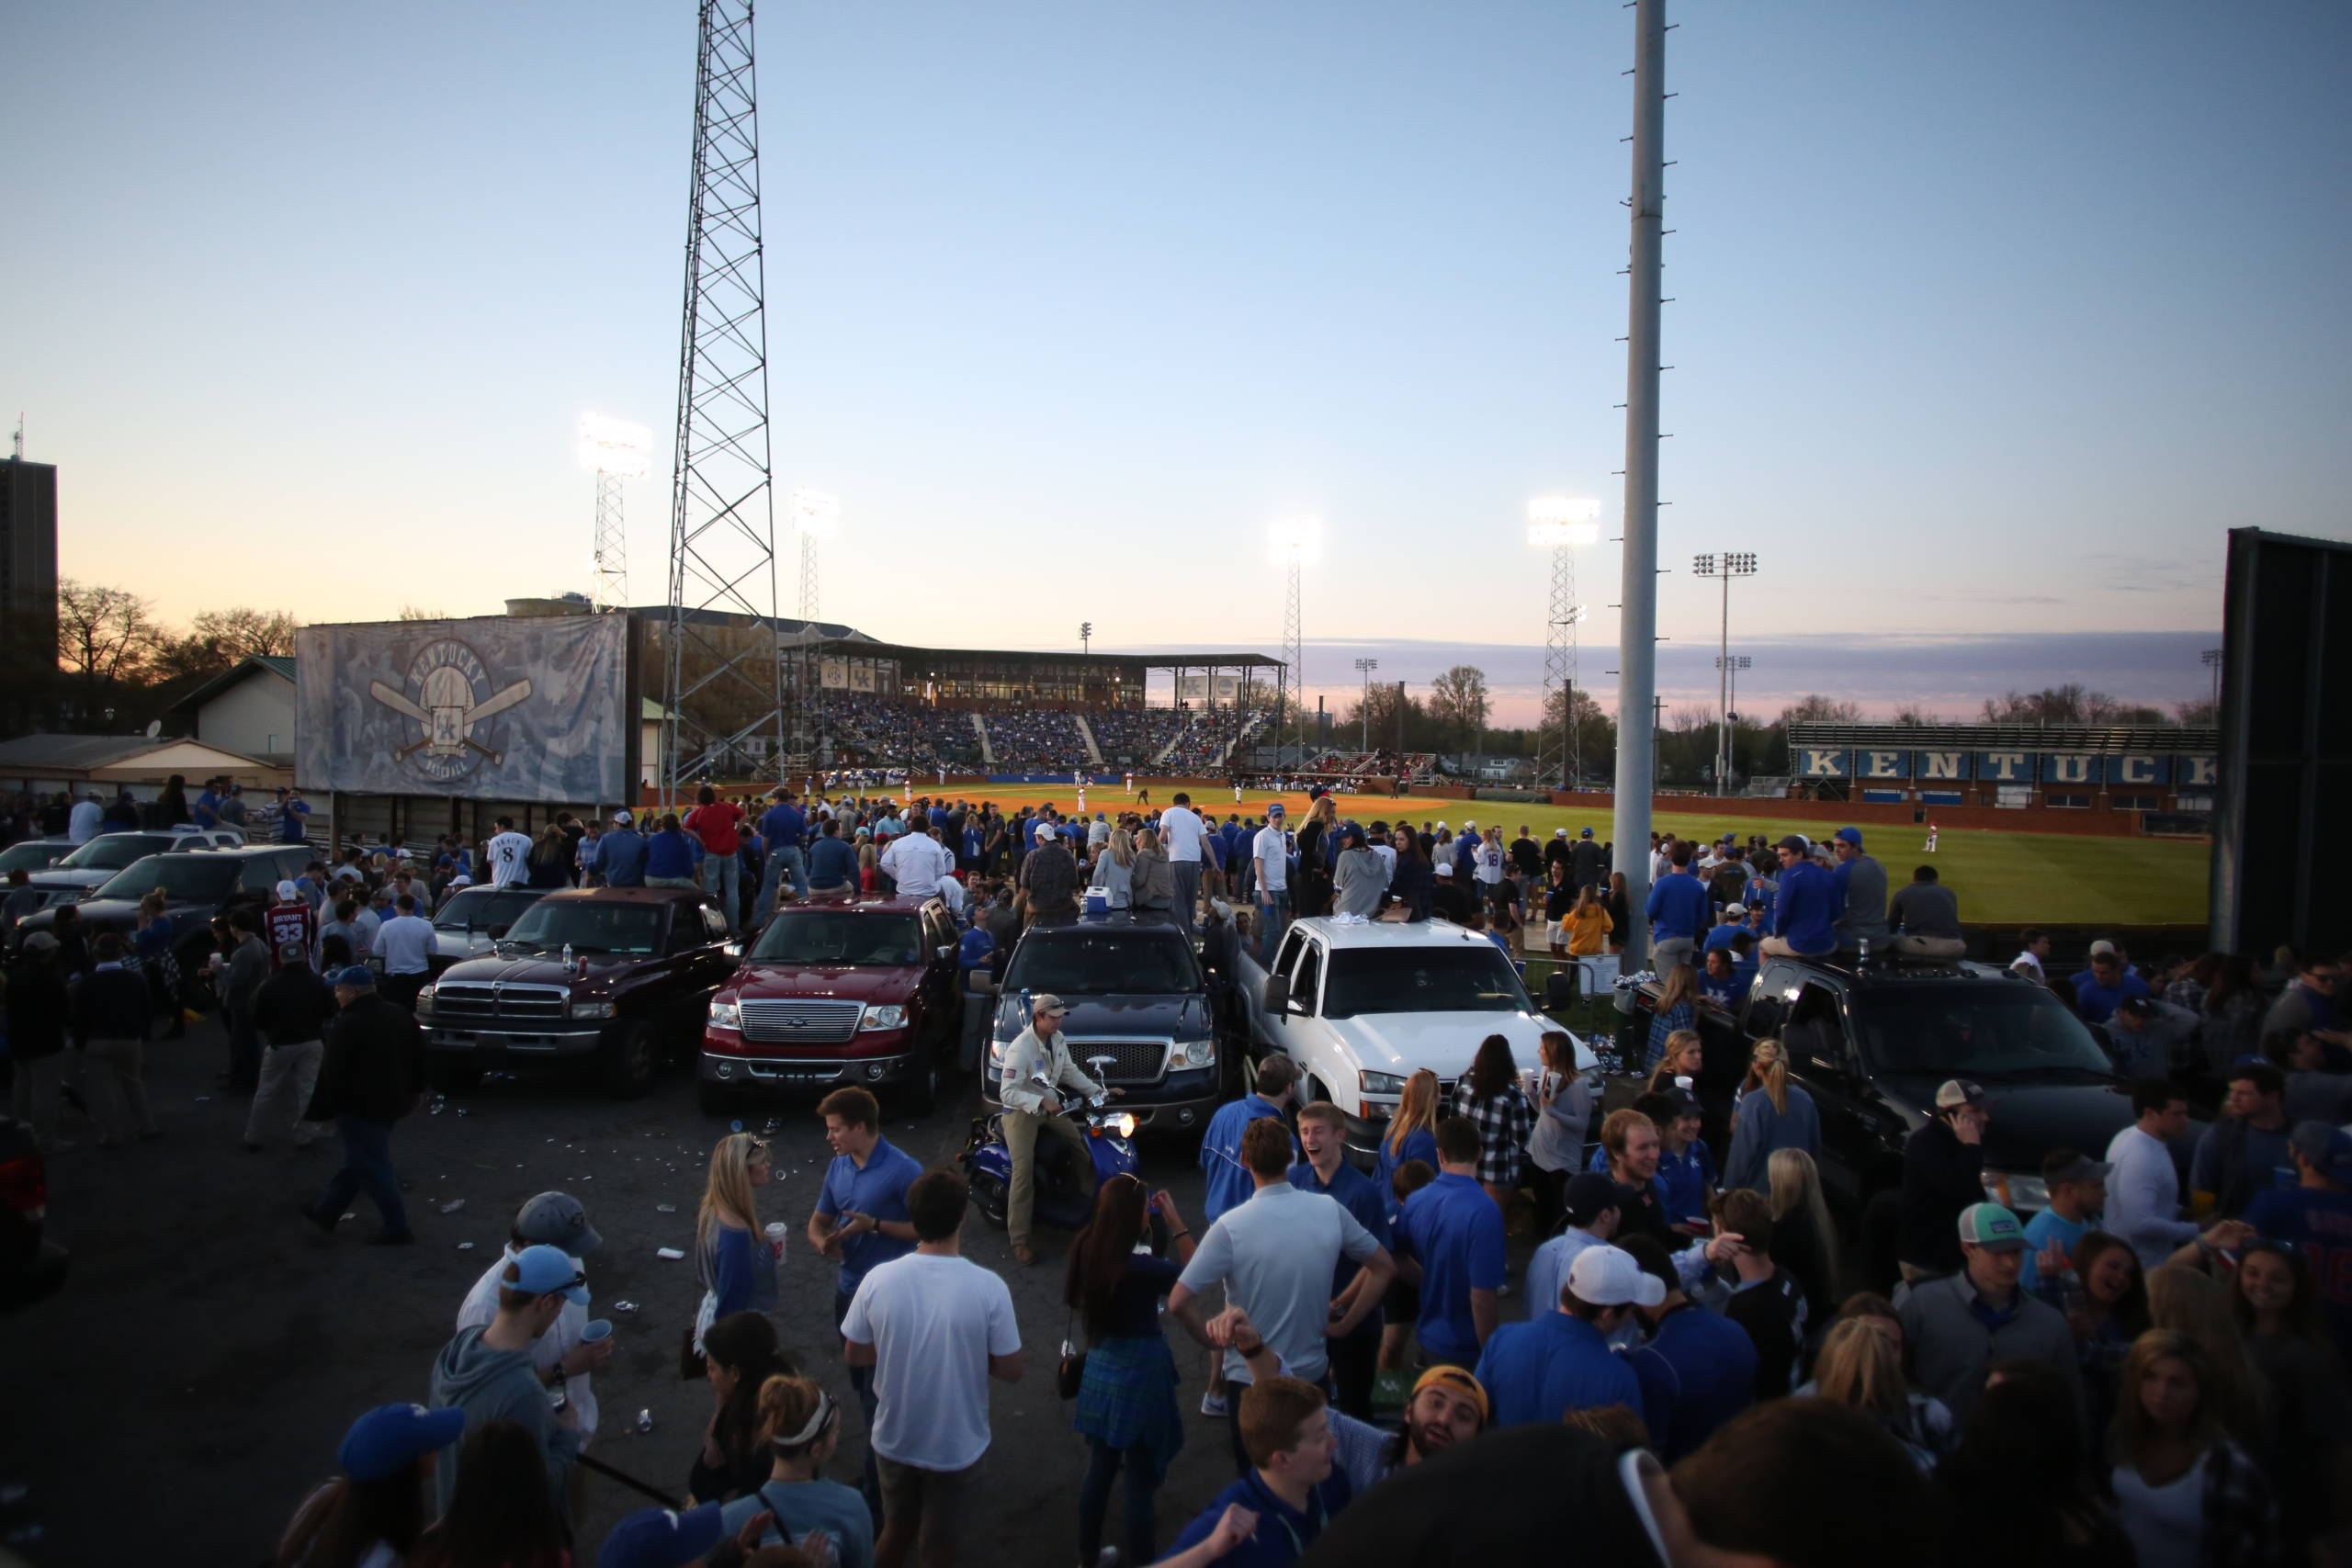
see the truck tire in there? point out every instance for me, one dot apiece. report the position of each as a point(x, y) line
point(627, 1057)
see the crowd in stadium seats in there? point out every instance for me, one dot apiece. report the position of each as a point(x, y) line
point(871, 730)
point(1132, 736)
point(1035, 742)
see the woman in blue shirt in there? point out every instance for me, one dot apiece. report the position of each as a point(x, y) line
point(802, 1427)
point(735, 1260)
point(1770, 1113)
point(1674, 1012)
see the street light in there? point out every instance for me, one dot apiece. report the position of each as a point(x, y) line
point(1734, 563)
point(1559, 524)
point(1365, 667)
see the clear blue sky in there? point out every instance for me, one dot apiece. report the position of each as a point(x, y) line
point(1989, 319)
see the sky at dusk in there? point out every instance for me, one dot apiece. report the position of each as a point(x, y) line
point(1989, 319)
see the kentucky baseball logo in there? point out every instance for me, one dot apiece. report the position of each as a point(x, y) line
point(449, 694)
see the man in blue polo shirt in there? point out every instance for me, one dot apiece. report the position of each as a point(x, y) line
point(861, 1217)
point(1678, 913)
point(783, 827)
point(1456, 1232)
point(1560, 1360)
point(1229, 1184)
point(1697, 1370)
point(1355, 1360)
point(1805, 909)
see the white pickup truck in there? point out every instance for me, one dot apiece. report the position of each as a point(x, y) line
point(1360, 1007)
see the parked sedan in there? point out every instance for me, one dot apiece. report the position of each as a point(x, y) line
point(33, 854)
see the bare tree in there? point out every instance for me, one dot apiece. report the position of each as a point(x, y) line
point(1911, 714)
point(412, 612)
point(220, 639)
point(1815, 709)
point(2199, 713)
point(106, 639)
point(1460, 704)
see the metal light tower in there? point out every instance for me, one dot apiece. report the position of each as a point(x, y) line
point(1365, 667)
point(816, 517)
point(1731, 665)
point(1086, 636)
point(1638, 624)
point(1559, 524)
point(2212, 658)
point(614, 450)
point(1725, 567)
point(1294, 542)
point(722, 512)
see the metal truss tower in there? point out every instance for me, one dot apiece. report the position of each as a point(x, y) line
point(1559, 524)
point(723, 665)
point(1295, 656)
point(610, 589)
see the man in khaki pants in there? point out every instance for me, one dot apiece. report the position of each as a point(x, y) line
point(1037, 1067)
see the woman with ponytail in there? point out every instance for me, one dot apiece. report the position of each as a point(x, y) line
point(802, 1427)
point(1770, 1113)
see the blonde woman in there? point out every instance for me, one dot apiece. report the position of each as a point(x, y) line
point(1115, 868)
point(2186, 1494)
point(1151, 881)
point(1770, 1113)
point(1685, 1054)
point(1803, 1241)
point(1586, 927)
point(736, 1262)
point(1675, 1011)
point(2184, 1299)
point(1859, 1365)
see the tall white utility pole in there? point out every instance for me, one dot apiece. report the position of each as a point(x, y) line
point(1638, 627)
point(1365, 667)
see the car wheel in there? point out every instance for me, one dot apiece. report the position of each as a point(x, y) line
point(628, 1058)
point(451, 1076)
point(989, 1198)
point(716, 1100)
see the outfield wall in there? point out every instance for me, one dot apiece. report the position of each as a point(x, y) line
point(1864, 813)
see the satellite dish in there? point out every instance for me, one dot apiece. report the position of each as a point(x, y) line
point(154, 727)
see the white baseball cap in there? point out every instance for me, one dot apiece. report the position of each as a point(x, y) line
point(288, 893)
point(1608, 1277)
point(1445, 868)
point(1045, 830)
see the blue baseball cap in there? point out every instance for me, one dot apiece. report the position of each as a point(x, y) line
point(1584, 833)
point(660, 1538)
point(1849, 835)
point(544, 1270)
point(391, 1436)
point(358, 976)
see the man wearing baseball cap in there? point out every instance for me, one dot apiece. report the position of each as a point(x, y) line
point(661, 1538)
point(1943, 1172)
point(2315, 1217)
point(371, 1075)
point(1559, 1359)
point(2078, 1188)
point(1861, 885)
point(487, 1373)
point(1270, 867)
point(1036, 1073)
point(1594, 1204)
point(1805, 906)
point(1956, 1326)
point(620, 854)
point(560, 1355)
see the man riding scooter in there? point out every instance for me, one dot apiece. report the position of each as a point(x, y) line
point(1037, 1066)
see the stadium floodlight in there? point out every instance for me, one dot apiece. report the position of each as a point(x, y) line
point(1556, 522)
point(1295, 541)
point(816, 513)
point(1725, 567)
point(614, 447)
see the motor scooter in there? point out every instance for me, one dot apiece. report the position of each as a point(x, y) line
point(1065, 1199)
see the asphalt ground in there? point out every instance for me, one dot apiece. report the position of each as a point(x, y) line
point(191, 1381)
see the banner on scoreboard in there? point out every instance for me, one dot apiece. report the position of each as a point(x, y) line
point(1933, 765)
point(1823, 763)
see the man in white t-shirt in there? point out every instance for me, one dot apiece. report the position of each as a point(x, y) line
point(86, 818)
point(1269, 863)
point(1180, 834)
point(509, 853)
point(405, 945)
point(556, 1220)
point(935, 1327)
point(917, 862)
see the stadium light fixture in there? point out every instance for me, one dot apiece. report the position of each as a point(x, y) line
point(614, 447)
point(1557, 522)
point(1295, 541)
point(816, 513)
point(1724, 568)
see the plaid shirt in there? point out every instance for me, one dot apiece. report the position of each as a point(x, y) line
point(1504, 1122)
point(2240, 1520)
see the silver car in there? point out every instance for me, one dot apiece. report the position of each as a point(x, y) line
point(472, 919)
point(95, 862)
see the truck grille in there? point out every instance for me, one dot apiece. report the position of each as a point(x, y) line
point(498, 1003)
point(777, 1022)
point(1133, 1061)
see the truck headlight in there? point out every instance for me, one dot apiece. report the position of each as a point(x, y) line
point(996, 1055)
point(884, 1018)
point(1379, 1083)
point(592, 1010)
point(725, 1015)
point(2016, 1190)
point(1201, 1052)
point(424, 1002)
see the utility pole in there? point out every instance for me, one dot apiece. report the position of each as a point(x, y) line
point(2212, 659)
point(1365, 667)
point(1638, 624)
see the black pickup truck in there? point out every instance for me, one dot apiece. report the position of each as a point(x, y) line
point(1871, 1041)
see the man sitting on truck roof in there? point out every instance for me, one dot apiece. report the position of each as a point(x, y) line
point(1804, 908)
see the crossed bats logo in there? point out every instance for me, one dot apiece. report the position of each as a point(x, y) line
point(449, 694)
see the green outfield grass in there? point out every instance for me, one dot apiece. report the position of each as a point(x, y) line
point(2006, 878)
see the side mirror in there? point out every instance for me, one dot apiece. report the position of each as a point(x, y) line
point(498, 933)
point(1277, 997)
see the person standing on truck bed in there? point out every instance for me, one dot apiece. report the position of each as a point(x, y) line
point(1050, 878)
point(1805, 906)
point(1270, 867)
point(1679, 913)
point(1860, 883)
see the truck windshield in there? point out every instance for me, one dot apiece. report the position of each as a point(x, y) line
point(1473, 977)
point(1093, 962)
point(891, 942)
point(588, 927)
point(478, 909)
point(1985, 1031)
point(185, 878)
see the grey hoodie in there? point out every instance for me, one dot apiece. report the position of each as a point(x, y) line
point(498, 1385)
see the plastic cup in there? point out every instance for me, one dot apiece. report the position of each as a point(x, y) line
point(598, 1329)
point(777, 1231)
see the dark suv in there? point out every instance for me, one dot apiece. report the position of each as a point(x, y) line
point(197, 884)
point(1136, 992)
point(1871, 1043)
point(644, 963)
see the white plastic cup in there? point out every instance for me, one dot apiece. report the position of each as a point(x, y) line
point(777, 1231)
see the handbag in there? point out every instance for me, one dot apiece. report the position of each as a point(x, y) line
point(1069, 1374)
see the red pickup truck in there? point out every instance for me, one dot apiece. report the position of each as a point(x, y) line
point(838, 991)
